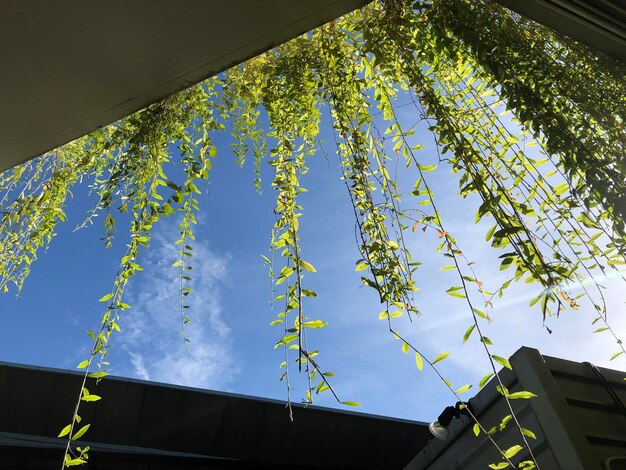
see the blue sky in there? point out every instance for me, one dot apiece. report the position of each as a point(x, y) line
point(232, 346)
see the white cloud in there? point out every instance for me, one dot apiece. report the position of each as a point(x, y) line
point(152, 331)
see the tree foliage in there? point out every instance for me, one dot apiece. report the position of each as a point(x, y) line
point(558, 209)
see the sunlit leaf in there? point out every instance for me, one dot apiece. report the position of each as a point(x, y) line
point(468, 333)
point(65, 431)
point(521, 395)
point(78, 434)
point(308, 266)
point(418, 361)
point(502, 361)
point(485, 379)
point(512, 451)
point(498, 466)
point(90, 397)
point(441, 357)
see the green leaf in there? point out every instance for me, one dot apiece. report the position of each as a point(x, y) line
point(527, 465)
point(350, 403)
point(529, 433)
point(586, 220)
point(172, 185)
point(560, 188)
point(393, 245)
point(91, 397)
point(616, 355)
point(502, 361)
point(383, 315)
point(498, 466)
point(285, 340)
point(505, 421)
point(481, 314)
point(468, 333)
point(521, 395)
point(70, 462)
point(308, 266)
point(315, 324)
point(484, 380)
point(65, 431)
point(441, 357)
point(322, 388)
point(512, 451)
point(80, 432)
point(98, 375)
point(427, 168)
point(105, 298)
point(361, 267)
point(276, 322)
point(464, 388)
point(284, 274)
point(454, 292)
point(405, 347)
point(167, 208)
point(476, 429)
point(83, 364)
point(418, 361)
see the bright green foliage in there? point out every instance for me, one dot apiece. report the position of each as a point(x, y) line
point(555, 188)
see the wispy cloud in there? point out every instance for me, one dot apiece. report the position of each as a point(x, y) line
point(152, 336)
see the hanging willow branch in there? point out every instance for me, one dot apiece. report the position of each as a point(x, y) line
point(557, 210)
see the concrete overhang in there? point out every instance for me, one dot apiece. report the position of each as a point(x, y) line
point(71, 66)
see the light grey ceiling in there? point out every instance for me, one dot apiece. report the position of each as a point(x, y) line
point(70, 66)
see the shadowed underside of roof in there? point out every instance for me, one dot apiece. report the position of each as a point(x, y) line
point(71, 66)
point(140, 424)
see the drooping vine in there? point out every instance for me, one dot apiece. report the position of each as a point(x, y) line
point(531, 123)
